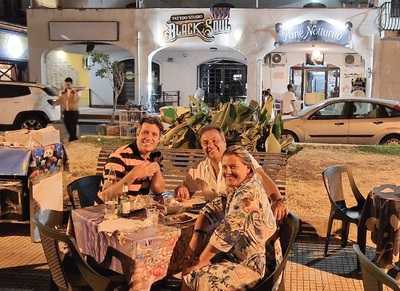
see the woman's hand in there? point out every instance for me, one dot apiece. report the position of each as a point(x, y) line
point(279, 209)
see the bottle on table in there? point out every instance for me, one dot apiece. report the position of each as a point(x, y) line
point(125, 204)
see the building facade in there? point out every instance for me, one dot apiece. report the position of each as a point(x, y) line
point(229, 53)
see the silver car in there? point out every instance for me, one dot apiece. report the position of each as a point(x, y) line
point(347, 120)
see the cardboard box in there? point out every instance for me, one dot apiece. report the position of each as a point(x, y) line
point(18, 137)
point(32, 138)
point(45, 136)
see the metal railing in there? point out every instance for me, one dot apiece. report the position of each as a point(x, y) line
point(389, 16)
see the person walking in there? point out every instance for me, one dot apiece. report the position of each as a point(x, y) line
point(69, 101)
point(287, 100)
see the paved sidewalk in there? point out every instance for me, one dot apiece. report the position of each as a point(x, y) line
point(23, 265)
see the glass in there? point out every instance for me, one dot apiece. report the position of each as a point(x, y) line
point(152, 215)
point(110, 209)
point(331, 111)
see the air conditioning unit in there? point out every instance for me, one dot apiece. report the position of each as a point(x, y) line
point(276, 59)
point(353, 60)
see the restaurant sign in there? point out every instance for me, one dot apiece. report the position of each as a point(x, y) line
point(314, 30)
point(198, 25)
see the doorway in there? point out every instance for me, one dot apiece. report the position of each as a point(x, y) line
point(222, 80)
point(314, 83)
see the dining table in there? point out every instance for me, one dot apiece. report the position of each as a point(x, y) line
point(381, 215)
point(143, 252)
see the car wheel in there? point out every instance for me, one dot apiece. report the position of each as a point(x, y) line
point(289, 134)
point(31, 122)
point(391, 139)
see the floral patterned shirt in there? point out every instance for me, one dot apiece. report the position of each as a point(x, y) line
point(242, 221)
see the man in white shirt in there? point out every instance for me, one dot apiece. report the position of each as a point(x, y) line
point(288, 101)
point(207, 176)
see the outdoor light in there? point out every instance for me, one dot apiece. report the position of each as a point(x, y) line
point(14, 46)
point(317, 56)
point(60, 54)
point(237, 34)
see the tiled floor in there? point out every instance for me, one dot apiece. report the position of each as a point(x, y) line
point(309, 270)
point(23, 265)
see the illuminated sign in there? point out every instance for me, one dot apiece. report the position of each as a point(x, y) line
point(13, 46)
point(198, 25)
point(317, 30)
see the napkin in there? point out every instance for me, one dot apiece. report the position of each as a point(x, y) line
point(122, 225)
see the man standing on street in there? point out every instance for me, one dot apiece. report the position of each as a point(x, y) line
point(287, 101)
point(69, 100)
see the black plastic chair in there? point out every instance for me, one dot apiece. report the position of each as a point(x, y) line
point(287, 233)
point(333, 182)
point(69, 270)
point(87, 188)
point(373, 277)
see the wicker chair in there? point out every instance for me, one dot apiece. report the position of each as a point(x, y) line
point(69, 270)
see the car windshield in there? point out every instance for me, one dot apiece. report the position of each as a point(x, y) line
point(307, 109)
point(51, 91)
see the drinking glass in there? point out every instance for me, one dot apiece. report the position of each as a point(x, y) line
point(152, 215)
point(110, 209)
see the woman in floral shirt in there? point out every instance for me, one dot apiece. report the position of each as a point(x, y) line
point(241, 222)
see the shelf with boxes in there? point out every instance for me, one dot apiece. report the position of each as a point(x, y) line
point(129, 121)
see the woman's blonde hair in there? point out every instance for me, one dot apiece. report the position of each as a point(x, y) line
point(241, 153)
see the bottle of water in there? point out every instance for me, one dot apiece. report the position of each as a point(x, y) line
point(125, 204)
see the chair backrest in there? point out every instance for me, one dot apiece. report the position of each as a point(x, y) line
point(51, 239)
point(333, 181)
point(87, 188)
point(373, 277)
point(51, 219)
point(288, 230)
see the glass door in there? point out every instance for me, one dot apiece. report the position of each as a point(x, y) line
point(315, 84)
point(297, 80)
point(333, 87)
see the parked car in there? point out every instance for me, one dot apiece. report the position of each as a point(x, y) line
point(347, 120)
point(27, 105)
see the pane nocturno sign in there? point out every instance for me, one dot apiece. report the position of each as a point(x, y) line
point(314, 30)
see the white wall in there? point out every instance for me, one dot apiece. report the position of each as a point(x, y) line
point(141, 33)
point(181, 73)
point(277, 77)
point(102, 89)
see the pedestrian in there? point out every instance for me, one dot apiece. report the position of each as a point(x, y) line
point(265, 95)
point(69, 101)
point(287, 101)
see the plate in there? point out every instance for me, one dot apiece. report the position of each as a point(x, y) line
point(178, 219)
